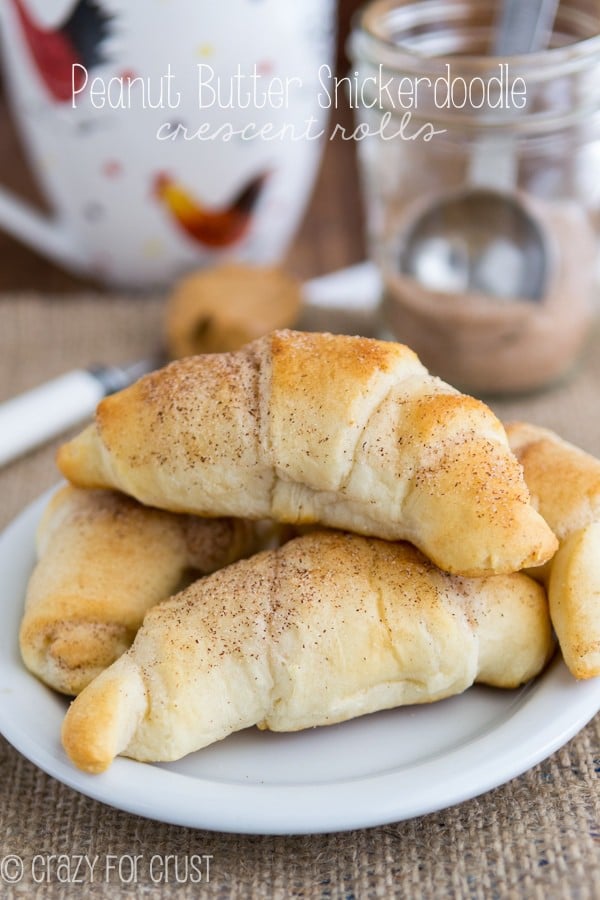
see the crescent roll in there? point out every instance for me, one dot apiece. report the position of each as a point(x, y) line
point(103, 561)
point(326, 628)
point(565, 486)
point(345, 431)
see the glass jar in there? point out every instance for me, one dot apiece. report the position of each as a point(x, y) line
point(440, 118)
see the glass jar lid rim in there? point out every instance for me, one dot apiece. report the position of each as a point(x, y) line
point(366, 42)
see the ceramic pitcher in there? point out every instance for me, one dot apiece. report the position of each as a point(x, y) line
point(165, 135)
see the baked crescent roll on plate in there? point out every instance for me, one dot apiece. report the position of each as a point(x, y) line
point(104, 560)
point(345, 431)
point(565, 486)
point(326, 628)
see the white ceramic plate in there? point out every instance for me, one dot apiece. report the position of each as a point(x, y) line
point(380, 768)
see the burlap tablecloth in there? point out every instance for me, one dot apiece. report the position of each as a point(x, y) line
point(536, 837)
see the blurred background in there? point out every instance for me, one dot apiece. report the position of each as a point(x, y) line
point(484, 241)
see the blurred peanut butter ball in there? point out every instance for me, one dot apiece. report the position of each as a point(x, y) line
point(222, 308)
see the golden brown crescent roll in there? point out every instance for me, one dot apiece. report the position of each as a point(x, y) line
point(574, 597)
point(565, 486)
point(103, 561)
point(564, 481)
point(329, 627)
point(349, 432)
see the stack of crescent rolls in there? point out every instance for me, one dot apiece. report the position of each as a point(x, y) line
point(430, 542)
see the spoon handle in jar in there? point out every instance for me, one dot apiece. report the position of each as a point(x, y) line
point(524, 26)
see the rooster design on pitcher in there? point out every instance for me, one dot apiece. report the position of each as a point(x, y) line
point(215, 228)
point(77, 41)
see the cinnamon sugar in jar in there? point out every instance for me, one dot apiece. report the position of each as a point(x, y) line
point(408, 55)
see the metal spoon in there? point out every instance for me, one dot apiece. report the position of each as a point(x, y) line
point(483, 239)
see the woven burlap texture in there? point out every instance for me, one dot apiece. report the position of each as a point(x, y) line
point(536, 837)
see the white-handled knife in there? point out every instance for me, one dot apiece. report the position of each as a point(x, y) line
point(347, 297)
